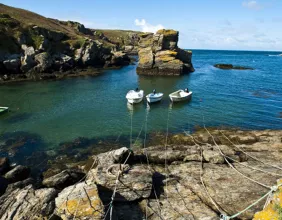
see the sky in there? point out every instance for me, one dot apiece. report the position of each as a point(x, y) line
point(203, 24)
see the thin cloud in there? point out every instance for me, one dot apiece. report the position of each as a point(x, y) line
point(146, 27)
point(253, 5)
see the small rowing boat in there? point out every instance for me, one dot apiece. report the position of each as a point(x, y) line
point(154, 97)
point(134, 96)
point(180, 96)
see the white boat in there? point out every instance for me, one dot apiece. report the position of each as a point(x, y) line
point(3, 109)
point(154, 97)
point(180, 95)
point(134, 97)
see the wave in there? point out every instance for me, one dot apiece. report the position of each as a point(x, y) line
point(277, 55)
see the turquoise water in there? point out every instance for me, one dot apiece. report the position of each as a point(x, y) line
point(95, 107)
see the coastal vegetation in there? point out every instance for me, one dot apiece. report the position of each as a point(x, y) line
point(26, 36)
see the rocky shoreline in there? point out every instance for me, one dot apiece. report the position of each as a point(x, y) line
point(157, 182)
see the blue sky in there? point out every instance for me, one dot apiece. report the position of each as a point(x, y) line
point(203, 24)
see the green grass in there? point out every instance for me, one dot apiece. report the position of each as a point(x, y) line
point(77, 43)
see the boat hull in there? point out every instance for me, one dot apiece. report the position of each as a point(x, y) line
point(134, 101)
point(153, 99)
point(179, 98)
point(134, 97)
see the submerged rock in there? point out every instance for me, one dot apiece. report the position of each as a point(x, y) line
point(160, 55)
point(17, 174)
point(231, 67)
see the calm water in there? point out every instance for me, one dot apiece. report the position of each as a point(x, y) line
point(59, 111)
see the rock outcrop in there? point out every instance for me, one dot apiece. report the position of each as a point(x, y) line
point(160, 55)
point(231, 67)
point(27, 203)
point(198, 176)
point(40, 48)
point(79, 201)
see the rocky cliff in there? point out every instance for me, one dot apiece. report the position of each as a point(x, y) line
point(198, 176)
point(160, 55)
point(32, 45)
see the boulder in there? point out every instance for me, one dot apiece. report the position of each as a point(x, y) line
point(119, 59)
point(63, 62)
point(160, 55)
point(213, 156)
point(19, 185)
point(27, 203)
point(80, 200)
point(112, 157)
point(90, 54)
point(63, 179)
point(12, 64)
point(27, 61)
point(133, 182)
point(4, 165)
point(157, 155)
point(44, 62)
point(17, 174)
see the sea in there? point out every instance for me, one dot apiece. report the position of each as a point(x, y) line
point(44, 115)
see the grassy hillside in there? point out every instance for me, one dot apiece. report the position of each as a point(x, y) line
point(17, 24)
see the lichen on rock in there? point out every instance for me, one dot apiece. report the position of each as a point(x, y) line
point(160, 55)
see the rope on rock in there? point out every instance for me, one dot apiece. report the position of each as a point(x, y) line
point(236, 161)
point(224, 156)
point(166, 138)
point(254, 158)
point(272, 190)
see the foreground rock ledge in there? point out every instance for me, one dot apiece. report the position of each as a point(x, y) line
point(151, 183)
point(160, 55)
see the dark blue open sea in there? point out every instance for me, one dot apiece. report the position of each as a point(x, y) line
point(95, 107)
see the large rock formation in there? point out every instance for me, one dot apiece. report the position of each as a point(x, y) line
point(160, 55)
point(37, 47)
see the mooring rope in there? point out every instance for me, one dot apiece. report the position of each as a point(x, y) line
point(166, 139)
point(236, 161)
point(220, 151)
point(254, 158)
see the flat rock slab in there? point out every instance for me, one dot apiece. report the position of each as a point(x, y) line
point(133, 183)
point(27, 203)
point(80, 201)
